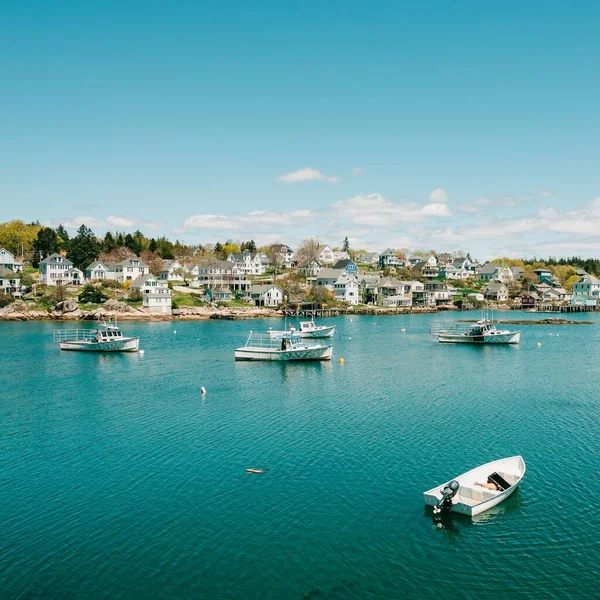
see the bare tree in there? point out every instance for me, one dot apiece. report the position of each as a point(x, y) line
point(276, 255)
point(309, 249)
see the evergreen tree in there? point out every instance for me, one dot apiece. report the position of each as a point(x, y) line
point(109, 243)
point(219, 250)
point(346, 245)
point(44, 245)
point(153, 246)
point(251, 246)
point(129, 242)
point(83, 248)
point(63, 237)
point(120, 239)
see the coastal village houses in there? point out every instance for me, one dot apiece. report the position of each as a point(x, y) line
point(586, 291)
point(497, 291)
point(99, 271)
point(10, 282)
point(171, 271)
point(266, 295)
point(220, 274)
point(325, 255)
point(345, 288)
point(130, 269)
point(156, 295)
point(248, 263)
point(56, 269)
point(7, 260)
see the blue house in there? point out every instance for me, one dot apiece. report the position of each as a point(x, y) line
point(347, 265)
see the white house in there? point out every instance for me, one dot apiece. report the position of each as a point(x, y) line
point(130, 269)
point(170, 271)
point(454, 272)
point(326, 255)
point(504, 274)
point(156, 295)
point(439, 290)
point(56, 269)
point(388, 258)
point(554, 295)
point(249, 263)
point(340, 255)
point(10, 282)
point(99, 270)
point(218, 273)
point(7, 260)
point(476, 297)
point(367, 258)
point(496, 290)
point(345, 288)
point(266, 295)
point(328, 276)
point(309, 269)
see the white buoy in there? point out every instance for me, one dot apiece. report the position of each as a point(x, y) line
point(203, 390)
point(174, 331)
point(349, 338)
point(539, 344)
point(403, 329)
point(140, 351)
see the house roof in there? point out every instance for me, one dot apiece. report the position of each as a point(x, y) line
point(329, 273)
point(132, 261)
point(215, 263)
point(222, 290)
point(419, 266)
point(488, 269)
point(141, 280)
point(4, 272)
point(168, 264)
point(542, 271)
point(495, 286)
point(388, 251)
point(533, 295)
point(262, 289)
point(52, 259)
point(587, 278)
point(343, 263)
point(7, 252)
point(93, 265)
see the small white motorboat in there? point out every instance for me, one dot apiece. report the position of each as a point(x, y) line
point(478, 490)
point(481, 332)
point(105, 338)
point(308, 329)
point(286, 347)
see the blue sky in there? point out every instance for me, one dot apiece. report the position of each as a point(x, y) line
point(447, 125)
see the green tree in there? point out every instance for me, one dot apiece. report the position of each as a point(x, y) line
point(18, 237)
point(83, 248)
point(63, 238)
point(44, 245)
point(108, 243)
point(153, 246)
point(93, 294)
point(346, 245)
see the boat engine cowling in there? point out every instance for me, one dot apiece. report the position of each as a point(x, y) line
point(448, 492)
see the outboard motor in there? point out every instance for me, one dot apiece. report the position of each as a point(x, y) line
point(449, 491)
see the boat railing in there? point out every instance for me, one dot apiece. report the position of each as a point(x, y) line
point(74, 335)
point(262, 340)
point(449, 327)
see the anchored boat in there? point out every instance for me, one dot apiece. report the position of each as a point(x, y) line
point(308, 329)
point(105, 338)
point(287, 346)
point(478, 490)
point(481, 332)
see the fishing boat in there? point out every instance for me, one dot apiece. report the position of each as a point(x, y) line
point(308, 329)
point(478, 490)
point(105, 338)
point(480, 332)
point(287, 346)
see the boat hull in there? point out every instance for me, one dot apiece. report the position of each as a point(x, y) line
point(512, 337)
point(118, 345)
point(294, 354)
point(472, 500)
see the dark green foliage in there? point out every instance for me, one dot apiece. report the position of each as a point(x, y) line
point(109, 243)
point(5, 299)
point(346, 245)
point(93, 294)
point(111, 284)
point(250, 246)
point(589, 265)
point(44, 245)
point(83, 248)
point(135, 296)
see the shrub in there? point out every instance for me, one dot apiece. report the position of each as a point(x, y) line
point(92, 294)
point(5, 299)
point(111, 284)
point(135, 296)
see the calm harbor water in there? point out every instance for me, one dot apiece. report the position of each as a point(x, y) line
point(119, 480)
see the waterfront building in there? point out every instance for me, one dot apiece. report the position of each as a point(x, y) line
point(530, 300)
point(130, 269)
point(266, 295)
point(246, 262)
point(345, 288)
point(439, 290)
point(171, 271)
point(544, 275)
point(496, 290)
point(7, 260)
point(99, 270)
point(588, 285)
point(453, 272)
point(156, 295)
point(56, 269)
point(328, 276)
point(10, 282)
point(219, 273)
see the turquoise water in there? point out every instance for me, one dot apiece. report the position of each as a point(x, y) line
point(119, 480)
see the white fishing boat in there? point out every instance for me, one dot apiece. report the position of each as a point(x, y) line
point(105, 338)
point(308, 329)
point(480, 332)
point(478, 490)
point(285, 347)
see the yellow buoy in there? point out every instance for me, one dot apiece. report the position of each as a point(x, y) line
point(342, 361)
point(539, 344)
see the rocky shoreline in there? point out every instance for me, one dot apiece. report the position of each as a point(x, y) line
point(69, 310)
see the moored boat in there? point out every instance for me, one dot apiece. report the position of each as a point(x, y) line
point(481, 332)
point(107, 337)
point(308, 329)
point(286, 347)
point(478, 490)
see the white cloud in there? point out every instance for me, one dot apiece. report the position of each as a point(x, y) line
point(377, 211)
point(250, 221)
point(545, 193)
point(307, 174)
point(357, 171)
point(438, 195)
point(117, 221)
